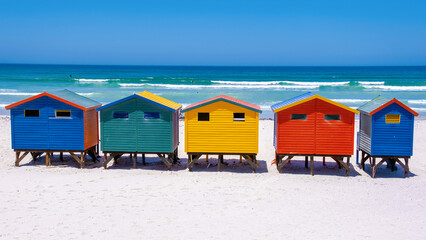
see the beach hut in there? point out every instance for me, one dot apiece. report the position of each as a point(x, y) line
point(141, 123)
point(386, 132)
point(310, 125)
point(61, 121)
point(222, 126)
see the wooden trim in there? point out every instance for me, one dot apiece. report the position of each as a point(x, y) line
point(394, 100)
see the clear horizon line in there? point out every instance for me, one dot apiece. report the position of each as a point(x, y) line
point(190, 65)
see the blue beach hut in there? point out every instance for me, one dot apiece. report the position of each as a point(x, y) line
point(386, 132)
point(61, 121)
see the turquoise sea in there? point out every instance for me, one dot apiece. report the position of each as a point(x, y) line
point(263, 86)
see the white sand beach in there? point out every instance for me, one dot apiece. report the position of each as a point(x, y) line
point(65, 202)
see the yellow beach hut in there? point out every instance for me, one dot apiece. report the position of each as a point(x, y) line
point(222, 126)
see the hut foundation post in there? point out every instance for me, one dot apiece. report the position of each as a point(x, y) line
point(207, 158)
point(189, 163)
point(323, 161)
point(105, 160)
point(135, 158)
point(143, 159)
point(61, 156)
point(312, 165)
point(241, 158)
point(47, 159)
point(219, 162)
point(306, 161)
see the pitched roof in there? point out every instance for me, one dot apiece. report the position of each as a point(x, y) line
point(225, 99)
point(305, 98)
point(149, 97)
point(379, 103)
point(65, 96)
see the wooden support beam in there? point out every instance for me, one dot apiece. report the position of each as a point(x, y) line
point(19, 158)
point(405, 166)
point(107, 160)
point(341, 163)
point(207, 158)
point(375, 167)
point(61, 156)
point(241, 158)
point(143, 159)
point(166, 161)
point(312, 165)
point(251, 160)
point(281, 163)
point(76, 158)
point(323, 161)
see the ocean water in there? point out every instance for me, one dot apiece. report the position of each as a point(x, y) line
point(263, 86)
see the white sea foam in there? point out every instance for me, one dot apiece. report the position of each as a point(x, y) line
point(132, 85)
point(86, 94)
point(248, 83)
point(89, 80)
point(420, 101)
point(351, 100)
point(177, 86)
point(371, 83)
point(318, 84)
point(17, 94)
point(150, 77)
point(396, 88)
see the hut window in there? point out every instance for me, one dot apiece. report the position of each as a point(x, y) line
point(151, 115)
point(331, 117)
point(32, 113)
point(121, 115)
point(203, 116)
point(298, 116)
point(239, 117)
point(62, 113)
point(393, 118)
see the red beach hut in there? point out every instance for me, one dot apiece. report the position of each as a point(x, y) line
point(310, 125)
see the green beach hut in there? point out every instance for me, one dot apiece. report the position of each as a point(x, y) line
point(141, 123)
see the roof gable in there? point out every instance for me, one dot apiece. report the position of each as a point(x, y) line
point(225, 99)
point(148, 97)
point(65, 96)
point(306, 98)
point(379, 103)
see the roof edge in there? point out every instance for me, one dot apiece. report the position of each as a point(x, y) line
point(47, 95)
point(394, 100)
point(220, 99)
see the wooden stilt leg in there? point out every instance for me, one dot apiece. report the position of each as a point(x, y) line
point(47, 159)
point(105, 160)
point(17, 159)
point(323, 161)
point(207, 158)
point(83, 159)
point(190, 162)
point(219, 162)
point(135, 158)
point(312, 165)
point(143, 159)
point(241, 158)
point(407, 169)
point(61, 156)
point(306, 161)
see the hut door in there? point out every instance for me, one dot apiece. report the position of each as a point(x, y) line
point(296, 128)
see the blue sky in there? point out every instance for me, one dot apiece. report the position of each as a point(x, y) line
point(283, 33)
